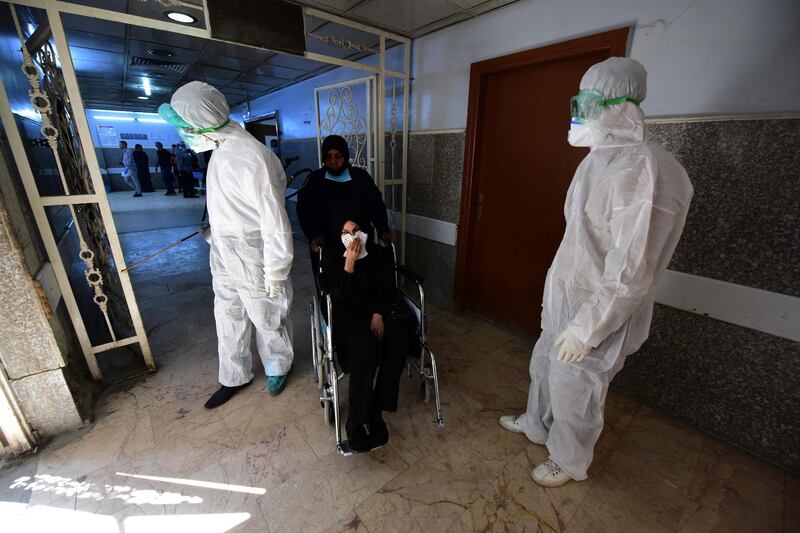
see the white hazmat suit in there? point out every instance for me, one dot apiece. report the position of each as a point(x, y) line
point(625, 211)
point(251, 240)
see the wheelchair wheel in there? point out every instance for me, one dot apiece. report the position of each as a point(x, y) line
point(424, 390)
point(327, 413)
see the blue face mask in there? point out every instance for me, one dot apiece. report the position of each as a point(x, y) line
point(341, 178)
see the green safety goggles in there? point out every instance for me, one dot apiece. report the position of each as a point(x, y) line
point(170, 116)
point(589, 103)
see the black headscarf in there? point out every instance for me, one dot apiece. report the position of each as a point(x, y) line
point(336, 142)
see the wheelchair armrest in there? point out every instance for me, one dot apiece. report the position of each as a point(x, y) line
point(409, 274)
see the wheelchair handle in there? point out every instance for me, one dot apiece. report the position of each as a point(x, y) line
point(409, 274)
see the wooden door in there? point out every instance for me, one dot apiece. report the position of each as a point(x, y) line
point(260, 131)
point(518, 167)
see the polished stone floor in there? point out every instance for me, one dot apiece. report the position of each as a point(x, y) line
point(155, 460)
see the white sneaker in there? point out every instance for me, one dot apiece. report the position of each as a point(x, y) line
point(549, 474)
point(510, 423)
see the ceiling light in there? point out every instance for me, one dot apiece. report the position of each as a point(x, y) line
point(146, 85)
point(177, 16)
point(143, 98)
point(121, 119)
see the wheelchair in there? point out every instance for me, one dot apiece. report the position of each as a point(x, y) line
point(327, 370)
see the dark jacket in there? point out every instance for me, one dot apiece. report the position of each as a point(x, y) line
point(368, 290)
point(322, 203)
point(164, 158)
point(142, 161)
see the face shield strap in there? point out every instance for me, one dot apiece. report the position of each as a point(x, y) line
point(199, 131)
point(620, 100)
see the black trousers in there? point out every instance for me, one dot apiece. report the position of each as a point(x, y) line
point(362, 356)
point(187, 184)
point(166, 177)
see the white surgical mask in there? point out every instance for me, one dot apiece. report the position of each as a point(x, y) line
point(361, 236)
point(580, 135)
point(197, 142)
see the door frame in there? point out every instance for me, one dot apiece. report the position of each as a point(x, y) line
point(615, 41)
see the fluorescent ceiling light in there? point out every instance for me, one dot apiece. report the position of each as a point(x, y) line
point(143, 98)
point(177, 16)
point(121, 119)
point(146, 84)
point(154, 120)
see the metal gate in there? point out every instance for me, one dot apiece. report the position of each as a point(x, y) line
point(347, 109)
point(354, 109)
point(76, 196)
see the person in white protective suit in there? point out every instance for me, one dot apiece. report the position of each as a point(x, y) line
point(625, 211)
point(251, 240)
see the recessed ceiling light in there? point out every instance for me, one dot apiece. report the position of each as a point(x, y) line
point(177, 16)
point(143, 97)
point(160, 52)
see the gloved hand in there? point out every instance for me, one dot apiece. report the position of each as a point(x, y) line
point(570, 349)
point(205, 231)
point(275, 287)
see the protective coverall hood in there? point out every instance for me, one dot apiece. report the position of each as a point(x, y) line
point(617, 125)
point(203, 106)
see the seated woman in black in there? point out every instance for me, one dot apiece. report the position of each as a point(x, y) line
point(366, 337)
point(338, 187)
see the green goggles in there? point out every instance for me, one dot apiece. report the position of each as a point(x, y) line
point(589, 103)
point(170, 116)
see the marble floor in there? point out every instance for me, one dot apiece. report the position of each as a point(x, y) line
point(155, 460)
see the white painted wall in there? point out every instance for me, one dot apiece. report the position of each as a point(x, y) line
point(702, 56)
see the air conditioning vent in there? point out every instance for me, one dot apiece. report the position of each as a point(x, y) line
point(180, 68)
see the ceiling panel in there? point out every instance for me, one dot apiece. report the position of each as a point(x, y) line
point(152, 51)
point(96, 41)
point(237, 51)
point(413, 14)
point(263, 80)
point(485, 7)
point(167, 39)
point(339, 6)
point(294, 62)
point(266, 69)
point(229, 63)
point(93, 26)
point(200, 71)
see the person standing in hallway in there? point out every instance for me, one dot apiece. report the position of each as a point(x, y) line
point(625, 211)
point(164, 162)
point(129, 170)
point(251, 240)
point(175, 171)
point(142, 162)
point(184, 162)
